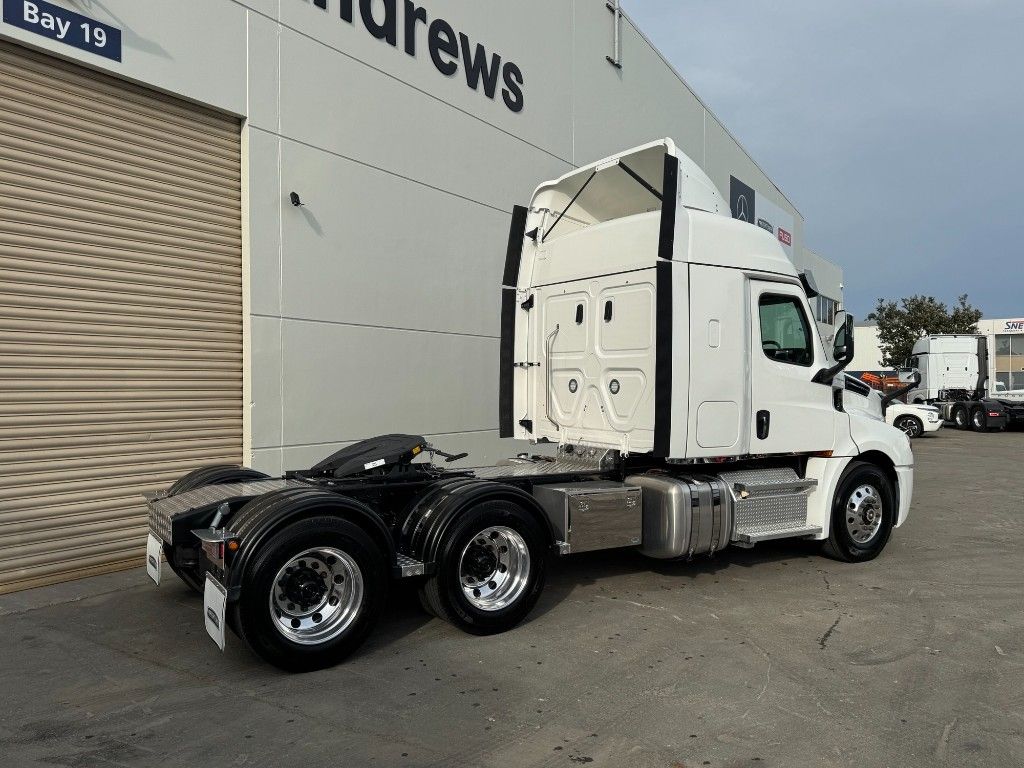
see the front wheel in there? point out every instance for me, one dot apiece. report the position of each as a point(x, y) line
point(490, 570)
point(312, 595)
point(863, 513)
point(911, 425)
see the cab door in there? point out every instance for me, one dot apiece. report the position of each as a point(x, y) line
point(790, 413)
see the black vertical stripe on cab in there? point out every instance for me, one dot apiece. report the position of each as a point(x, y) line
point(663, 360)
point(667, 237)
point(663, 309)
point(514, 254)
point(506, 362)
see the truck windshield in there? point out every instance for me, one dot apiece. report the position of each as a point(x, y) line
point(785, 335)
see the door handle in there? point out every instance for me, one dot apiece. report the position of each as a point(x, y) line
point(764, 423)
point(549, 349)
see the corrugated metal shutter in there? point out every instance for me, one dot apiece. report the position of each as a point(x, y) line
point(120, 310)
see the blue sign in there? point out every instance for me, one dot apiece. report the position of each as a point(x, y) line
point(64, 26)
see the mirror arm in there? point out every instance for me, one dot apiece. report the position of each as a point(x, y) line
point(898, 393)
point(826, 375)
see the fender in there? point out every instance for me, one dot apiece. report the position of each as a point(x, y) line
point(261, 518)
point(433, 514)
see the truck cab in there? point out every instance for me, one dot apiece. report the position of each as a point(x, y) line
point(641, 317)
point(948, 364)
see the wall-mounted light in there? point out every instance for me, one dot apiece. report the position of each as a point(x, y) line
point(296, 200)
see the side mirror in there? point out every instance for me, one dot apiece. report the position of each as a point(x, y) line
point(842, 338)
point(842, 349)
point(906, 375)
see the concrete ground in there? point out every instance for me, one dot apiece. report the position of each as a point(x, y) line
point(769, 657)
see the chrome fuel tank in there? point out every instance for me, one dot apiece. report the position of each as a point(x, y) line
point(683, 517)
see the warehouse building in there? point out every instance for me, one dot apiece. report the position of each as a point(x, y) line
point(252, 231)
point(1005, 340)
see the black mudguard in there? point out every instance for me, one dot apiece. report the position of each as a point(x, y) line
point(265, 515)
point(424, 528)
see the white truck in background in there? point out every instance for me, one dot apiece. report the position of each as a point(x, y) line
point(953, 371)
point(668, 350)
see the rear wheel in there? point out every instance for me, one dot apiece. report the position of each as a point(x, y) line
point(312, 595)
point(979, 420)
point(911, 425)
point(959, 417)
point(863, 513)
point(490, 570)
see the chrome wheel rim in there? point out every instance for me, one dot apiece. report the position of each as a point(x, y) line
point(979, 419)
point(960, 417)
point(316, 595)
point(494, 568)
point(910, 427)
point(864, 514)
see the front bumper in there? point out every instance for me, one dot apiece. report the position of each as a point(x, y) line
point(933, 426)
point(905, 482)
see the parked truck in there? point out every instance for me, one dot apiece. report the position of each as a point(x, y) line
point(670, 353)
point(953, 372)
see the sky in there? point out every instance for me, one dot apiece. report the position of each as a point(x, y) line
point(896, 127)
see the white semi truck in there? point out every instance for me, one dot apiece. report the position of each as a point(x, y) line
point(671, 354)
point(953, 370)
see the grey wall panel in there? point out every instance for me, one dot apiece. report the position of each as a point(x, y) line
point(265, 405)
point(269, 460)
point(534, 34)
point(266, 8)
point(346, 383)
point(615, 109)
point(369, 248)
point(264, 230)
point(264, 82)
point(384, 123)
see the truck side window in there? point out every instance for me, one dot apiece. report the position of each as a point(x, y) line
point(785, 335)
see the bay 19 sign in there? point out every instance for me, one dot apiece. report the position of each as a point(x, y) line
point(447, 48)
point(64, 26)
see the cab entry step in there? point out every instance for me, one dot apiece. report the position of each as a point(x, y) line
point(769, 504)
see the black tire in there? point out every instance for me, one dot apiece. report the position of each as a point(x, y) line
point(253, 619)
point(911, 425)
point(959, 417)
point(841, 544)
point(214, 475)
point(979, 420)
point(442, 593)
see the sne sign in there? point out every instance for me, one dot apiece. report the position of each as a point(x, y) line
point(448, 49)
point(64, 26)
point(1013, 326)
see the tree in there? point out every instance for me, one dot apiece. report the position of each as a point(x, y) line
point(901, 324)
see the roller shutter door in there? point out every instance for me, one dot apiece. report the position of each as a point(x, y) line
point(120, 310)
